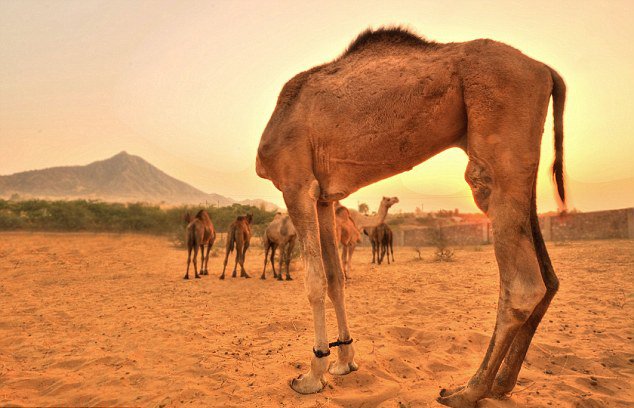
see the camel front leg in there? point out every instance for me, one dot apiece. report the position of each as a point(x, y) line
point(301, 204)
point(336, 289)
point(266, 258)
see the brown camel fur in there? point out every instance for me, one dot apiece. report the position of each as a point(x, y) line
point(371, 221)
point(199, 232)
point(382, 241)
point(238, 237)
point(279, 234)
point(348, 235)
point(390, 102)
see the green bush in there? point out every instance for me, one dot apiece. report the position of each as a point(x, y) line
point(97, 216)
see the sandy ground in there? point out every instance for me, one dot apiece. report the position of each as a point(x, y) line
point(106, 320)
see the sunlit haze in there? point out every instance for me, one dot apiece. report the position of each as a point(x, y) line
point(190, 85)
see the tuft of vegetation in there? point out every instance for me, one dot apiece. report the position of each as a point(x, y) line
point(98, 216)
point(443, 252)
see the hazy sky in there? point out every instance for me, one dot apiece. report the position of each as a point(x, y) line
point(190, 85)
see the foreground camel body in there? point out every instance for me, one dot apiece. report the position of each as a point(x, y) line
point(279, 234)
point(238, 237)
point(348, 235)
point(391, 101)
point(372, 221)
point(199, 232)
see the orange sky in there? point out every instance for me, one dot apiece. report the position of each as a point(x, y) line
point(190, 85)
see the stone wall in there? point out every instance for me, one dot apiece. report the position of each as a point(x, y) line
point(612, 224)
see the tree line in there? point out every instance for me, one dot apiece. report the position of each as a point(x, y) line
point(98, 216)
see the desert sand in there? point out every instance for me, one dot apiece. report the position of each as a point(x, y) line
point(107, 320)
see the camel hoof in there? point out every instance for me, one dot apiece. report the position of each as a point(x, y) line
point(197, 276)
point(185, 277)
point(339, 368)
point(447, 392)
point(263, 277)
point(246, 276)
point(458, 399)
point(222, 277)
point(305, 384)
point(280, 279)
point(288, 278)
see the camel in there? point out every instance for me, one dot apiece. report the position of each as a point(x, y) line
point(391, 101)
point(238, 237)
point(371, 221)
point(348, 235)
point(199, 232)
point(382, 241)
point(279, 234)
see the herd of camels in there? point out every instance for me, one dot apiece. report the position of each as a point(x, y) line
point(200, 235)
point(391, 101)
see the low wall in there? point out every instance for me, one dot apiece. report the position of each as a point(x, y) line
point(611, 224)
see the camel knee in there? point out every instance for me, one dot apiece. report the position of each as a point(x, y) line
point(480, 181)
point(522, 299)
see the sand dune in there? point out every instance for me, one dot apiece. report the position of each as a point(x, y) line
point(106, 320)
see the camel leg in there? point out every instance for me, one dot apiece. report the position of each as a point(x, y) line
point(336, 287)
point(189, 258)
point(196, 262)
point(507, 202)
point(351, 248)
point(202, 260)
point(243, 273)
point(509, 371)
point(267, 247)
point(224, 265)
point(392, 249)
point(238, 253)
point(373, 249)
point(281, 261)
point(207, 258)
point(344, 259)
point(289, 254)
point(276, 274)
point(301, 204)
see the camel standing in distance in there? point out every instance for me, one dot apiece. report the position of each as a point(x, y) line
point(238, 237)
point(371, 221)
point(279, 234)
point(199, 232)
point(348, 235)
point(390, 102)
point(382, 241)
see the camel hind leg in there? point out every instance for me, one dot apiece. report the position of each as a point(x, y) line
point(243, 255)
point(509, 371)
point(267, 247)
point(206, 271)
point(189, 259)
point(501, 173)
point(301, 201)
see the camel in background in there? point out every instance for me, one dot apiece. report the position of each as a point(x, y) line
point(279, 234)
point(391, 101)
point(348, 235)
point(382, 241)
point(372, 221)
point(199, 232)
point(238, 237)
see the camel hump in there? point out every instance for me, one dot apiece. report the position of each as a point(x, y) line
point(394, 36)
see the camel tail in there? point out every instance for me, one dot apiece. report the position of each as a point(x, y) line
point(231, 239)
point(559, 100)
